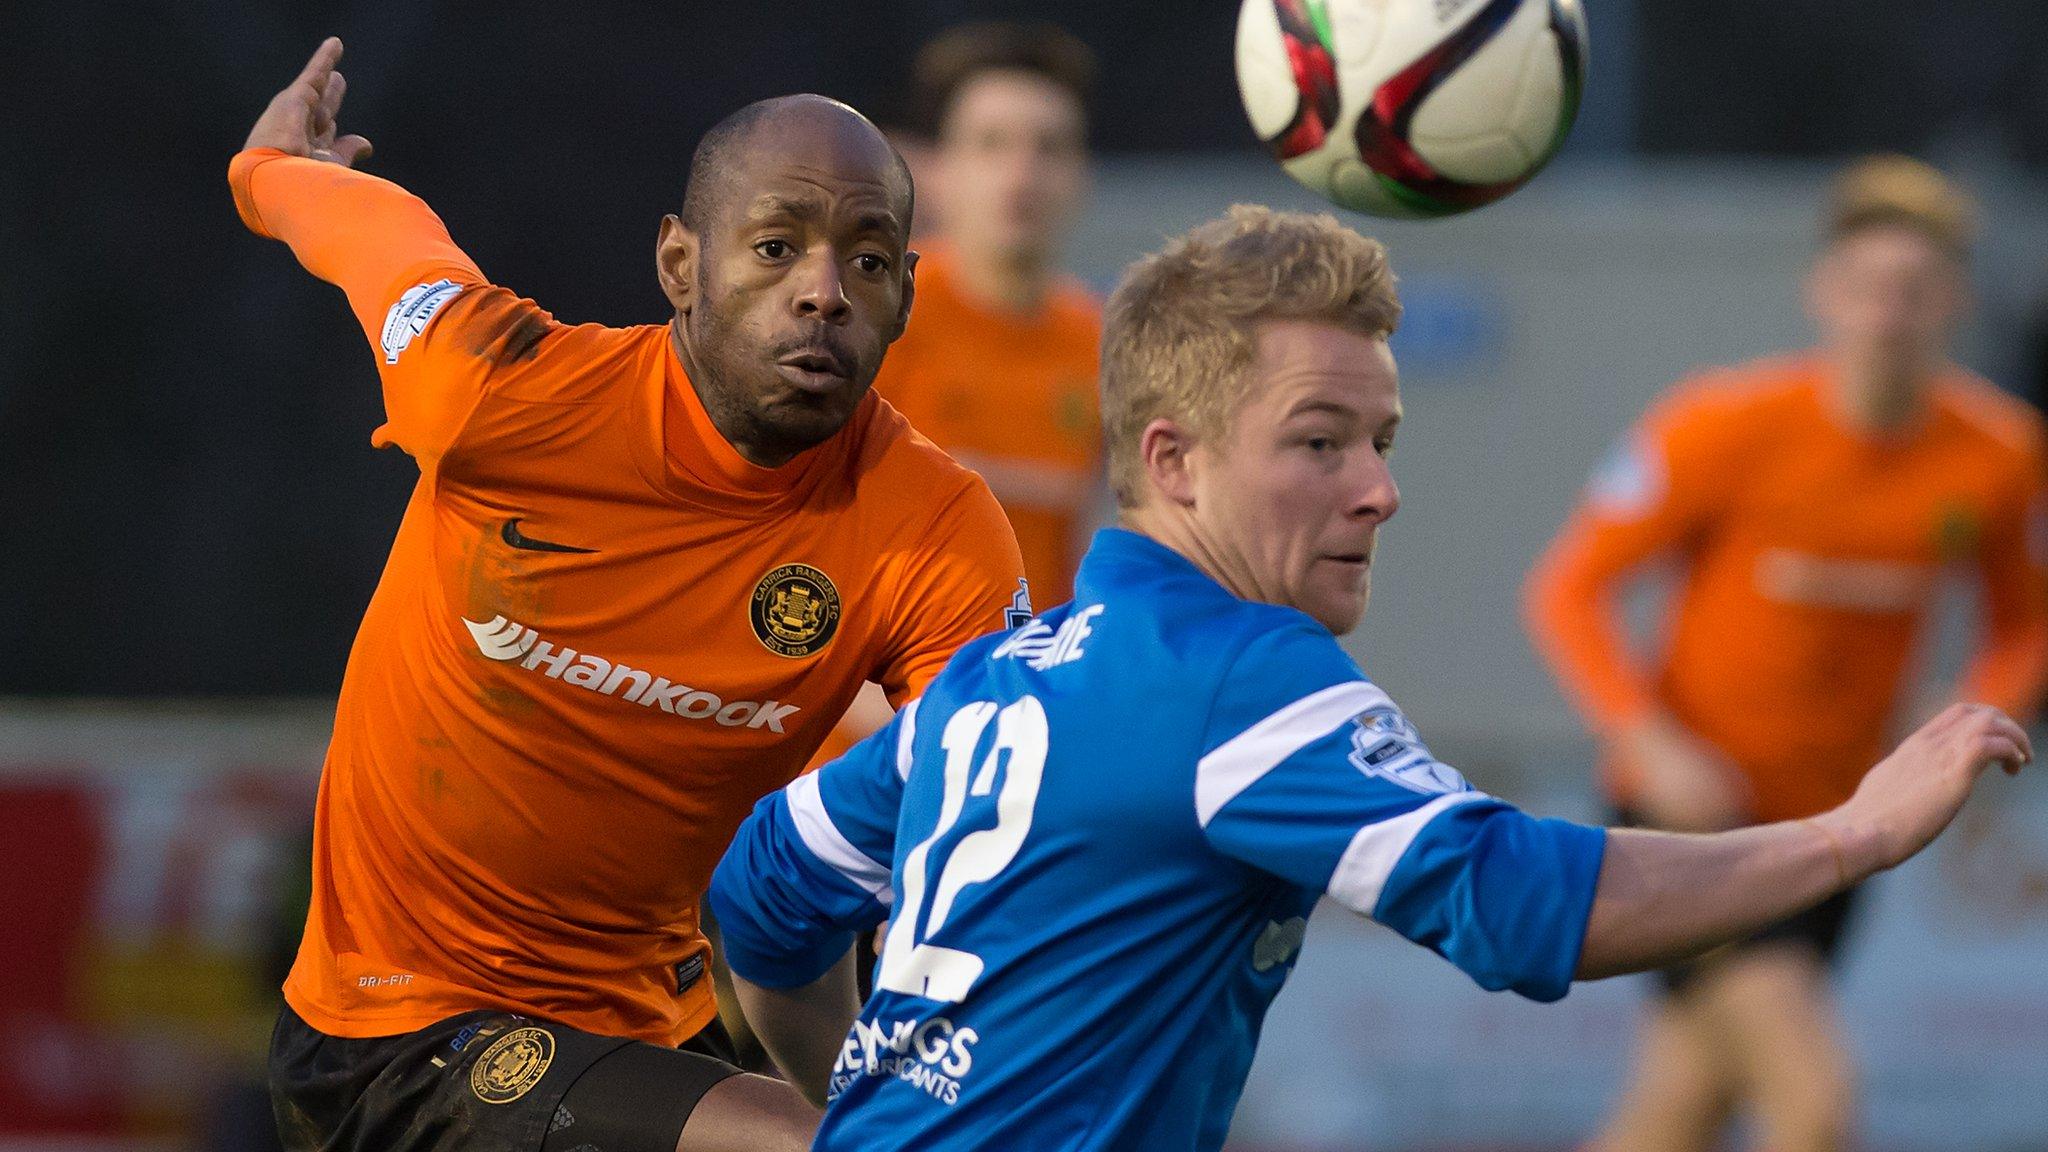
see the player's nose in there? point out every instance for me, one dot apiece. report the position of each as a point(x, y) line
point(821, 290)
point(1377, 497)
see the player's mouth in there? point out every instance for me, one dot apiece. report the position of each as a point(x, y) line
point(1358, 563)
point(815, 370)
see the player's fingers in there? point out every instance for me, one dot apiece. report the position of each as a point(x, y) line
point(2012, 730)
point(2002, 750)
point(1992, 722)
point(351, 150)
point(325, 57)
point(330, 96)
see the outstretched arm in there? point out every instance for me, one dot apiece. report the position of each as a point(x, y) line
point(444, 336)
point(1313, 775)
point(294, 181)
point(1664, 896)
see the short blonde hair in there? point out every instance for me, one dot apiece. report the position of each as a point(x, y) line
point(1178, 334)
point(1901, 192)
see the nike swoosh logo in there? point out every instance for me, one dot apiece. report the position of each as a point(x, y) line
point(518, 539)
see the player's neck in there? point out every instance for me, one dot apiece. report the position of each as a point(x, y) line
point(1167, 525)
point(1880, 399)
point(1001, 281)
point(731, 430)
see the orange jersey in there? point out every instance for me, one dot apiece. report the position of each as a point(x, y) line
point(1011, 395)
point(602, 635)
point(1809, 556)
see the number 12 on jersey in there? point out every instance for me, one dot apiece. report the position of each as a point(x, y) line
point(910, 964)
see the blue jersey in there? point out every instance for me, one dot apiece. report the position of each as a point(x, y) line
point(1097, 840)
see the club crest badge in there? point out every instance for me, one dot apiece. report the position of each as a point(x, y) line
point(795, 610)
point(512, 1065)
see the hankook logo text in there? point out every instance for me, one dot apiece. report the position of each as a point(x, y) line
point(504, 639)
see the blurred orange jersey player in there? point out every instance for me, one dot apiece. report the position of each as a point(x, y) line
point(1012, 396)
point(1811, 553)
point(643, 572)
point(1811, 505)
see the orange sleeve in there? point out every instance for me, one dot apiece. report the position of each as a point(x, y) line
point(438, 328)
point(2010, 669)
point(954, 587)
point(1654, 492)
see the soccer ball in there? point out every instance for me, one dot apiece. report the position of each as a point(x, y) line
point(1411, 108)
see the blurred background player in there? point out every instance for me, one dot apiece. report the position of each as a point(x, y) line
point(642, 570)
point(1811, 504)
point(997, 365)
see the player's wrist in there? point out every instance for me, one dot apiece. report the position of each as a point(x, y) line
point(1856, 846)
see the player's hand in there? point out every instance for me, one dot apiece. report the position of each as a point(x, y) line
point(301, 119)
point(1912, 794)
point(1685, 784)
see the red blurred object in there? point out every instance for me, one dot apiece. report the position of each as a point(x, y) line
point(57, 1076)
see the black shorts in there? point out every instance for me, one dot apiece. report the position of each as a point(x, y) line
point(1819, 930)
point(487, 1082)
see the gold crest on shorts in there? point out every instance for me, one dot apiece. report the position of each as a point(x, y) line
point(795, 610)
point(512, 1065)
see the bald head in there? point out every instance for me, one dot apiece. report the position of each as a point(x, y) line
point(814, 127)
point(789, 269)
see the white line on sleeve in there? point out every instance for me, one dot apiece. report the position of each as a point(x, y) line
point(906, 736)
point(1362, 872)
point(1239, 762)
point(823, 838)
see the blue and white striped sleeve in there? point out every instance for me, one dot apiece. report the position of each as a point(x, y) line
point(1311, 773)
point(811, 866)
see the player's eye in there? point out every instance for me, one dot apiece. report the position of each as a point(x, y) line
point(871, 263)
point(1320, 444)
point(1384, 446)
point(774, 249)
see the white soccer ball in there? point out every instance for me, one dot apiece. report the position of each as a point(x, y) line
point(1411, 107)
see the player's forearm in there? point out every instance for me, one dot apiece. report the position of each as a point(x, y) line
point(353, 230)
point(804, 1028)
point(1663, 896)
point(1569, 606)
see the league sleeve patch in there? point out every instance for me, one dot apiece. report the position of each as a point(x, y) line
point(1385, 745)
point(1630, 480)
point(1019, 612)
point(416, 309)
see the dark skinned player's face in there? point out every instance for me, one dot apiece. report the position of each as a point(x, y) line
point(801, 282)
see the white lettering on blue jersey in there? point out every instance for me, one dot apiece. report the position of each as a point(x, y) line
point(1042, 647)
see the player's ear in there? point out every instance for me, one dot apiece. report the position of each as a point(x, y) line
point(676, 252)
point(1164, 447)
point(909, 292)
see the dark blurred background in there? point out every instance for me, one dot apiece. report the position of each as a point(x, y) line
point(188, 502)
